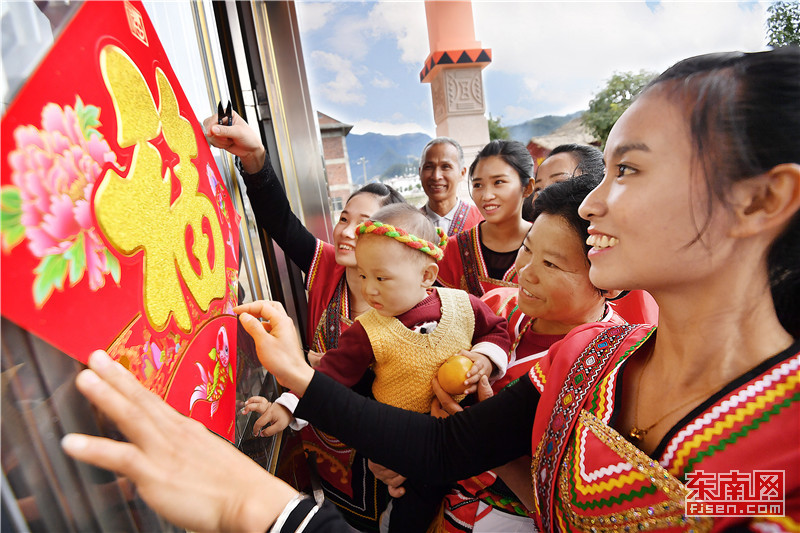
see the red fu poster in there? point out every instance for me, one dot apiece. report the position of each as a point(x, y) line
point(117, 231)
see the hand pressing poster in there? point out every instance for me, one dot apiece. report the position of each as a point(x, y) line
point(116, 229)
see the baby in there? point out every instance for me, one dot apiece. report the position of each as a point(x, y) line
point(411, 329)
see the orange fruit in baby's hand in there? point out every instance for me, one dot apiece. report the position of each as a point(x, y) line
point(453, 373)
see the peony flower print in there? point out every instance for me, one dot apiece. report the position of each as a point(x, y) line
point(54, 170)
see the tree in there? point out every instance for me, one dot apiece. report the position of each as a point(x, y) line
point(608, 104)
point(496, 130)
point(783, 23)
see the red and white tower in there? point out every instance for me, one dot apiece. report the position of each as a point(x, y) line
point(453, 68)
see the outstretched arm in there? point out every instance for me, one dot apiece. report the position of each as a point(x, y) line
point(264, 189)
point(181, 470)
point(515, 474)
point(420, 446)
point(416, 445)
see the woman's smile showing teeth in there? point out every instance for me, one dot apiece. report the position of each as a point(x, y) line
point(601, 241)
point(526, 293)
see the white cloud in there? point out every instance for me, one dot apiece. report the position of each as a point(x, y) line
point(312, 16)
point(566, 50)
point(388, 128)
point(549, 57)
point(405, 21)
point(345, 88)
point(350, 37)
point(590, 37)
point(561, 97)
point(354, 34)
point(382, 82)
point(515, 114)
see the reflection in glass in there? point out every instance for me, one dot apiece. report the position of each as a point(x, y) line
point(28, 29)
point(40, 405)
point(43, 490)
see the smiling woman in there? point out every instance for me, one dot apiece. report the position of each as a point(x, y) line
point(565, 161)
point(702, 197)
point(333, 285)
point(628, 426)
point(555, 295)
point(482, 258)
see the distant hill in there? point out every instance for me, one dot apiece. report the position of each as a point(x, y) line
point(383, 151)
point(539, 126)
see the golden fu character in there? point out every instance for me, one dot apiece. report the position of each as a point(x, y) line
point(136, 212)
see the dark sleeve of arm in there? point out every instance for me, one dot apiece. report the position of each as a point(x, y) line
point(347, 363)
point(326, 520)
point(420, 446)
point(488, 326)
point(274, 214)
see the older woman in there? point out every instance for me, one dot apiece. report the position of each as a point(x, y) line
point(700, 206)
point(701, 211)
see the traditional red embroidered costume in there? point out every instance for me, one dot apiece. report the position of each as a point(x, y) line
point(465, 217)
point(589, 477)
point(637, 307)
point(345, 478)
point(464, 266)
point(475, 498)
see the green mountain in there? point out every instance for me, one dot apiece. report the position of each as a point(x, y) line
point(389, 155)
point(382, 152)
point(539, 126)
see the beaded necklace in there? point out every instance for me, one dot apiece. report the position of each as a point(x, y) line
point(522, 332)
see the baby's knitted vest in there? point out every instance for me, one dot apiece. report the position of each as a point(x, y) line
point(406, 362)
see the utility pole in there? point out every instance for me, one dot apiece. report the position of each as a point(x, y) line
point(363, 162)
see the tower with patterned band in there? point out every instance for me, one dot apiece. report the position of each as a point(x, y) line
point(453, 68)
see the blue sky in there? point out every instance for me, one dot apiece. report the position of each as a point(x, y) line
point(363, 58)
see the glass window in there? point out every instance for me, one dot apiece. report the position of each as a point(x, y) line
point(42, 489)
point(175, 25)
point(28, 30)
